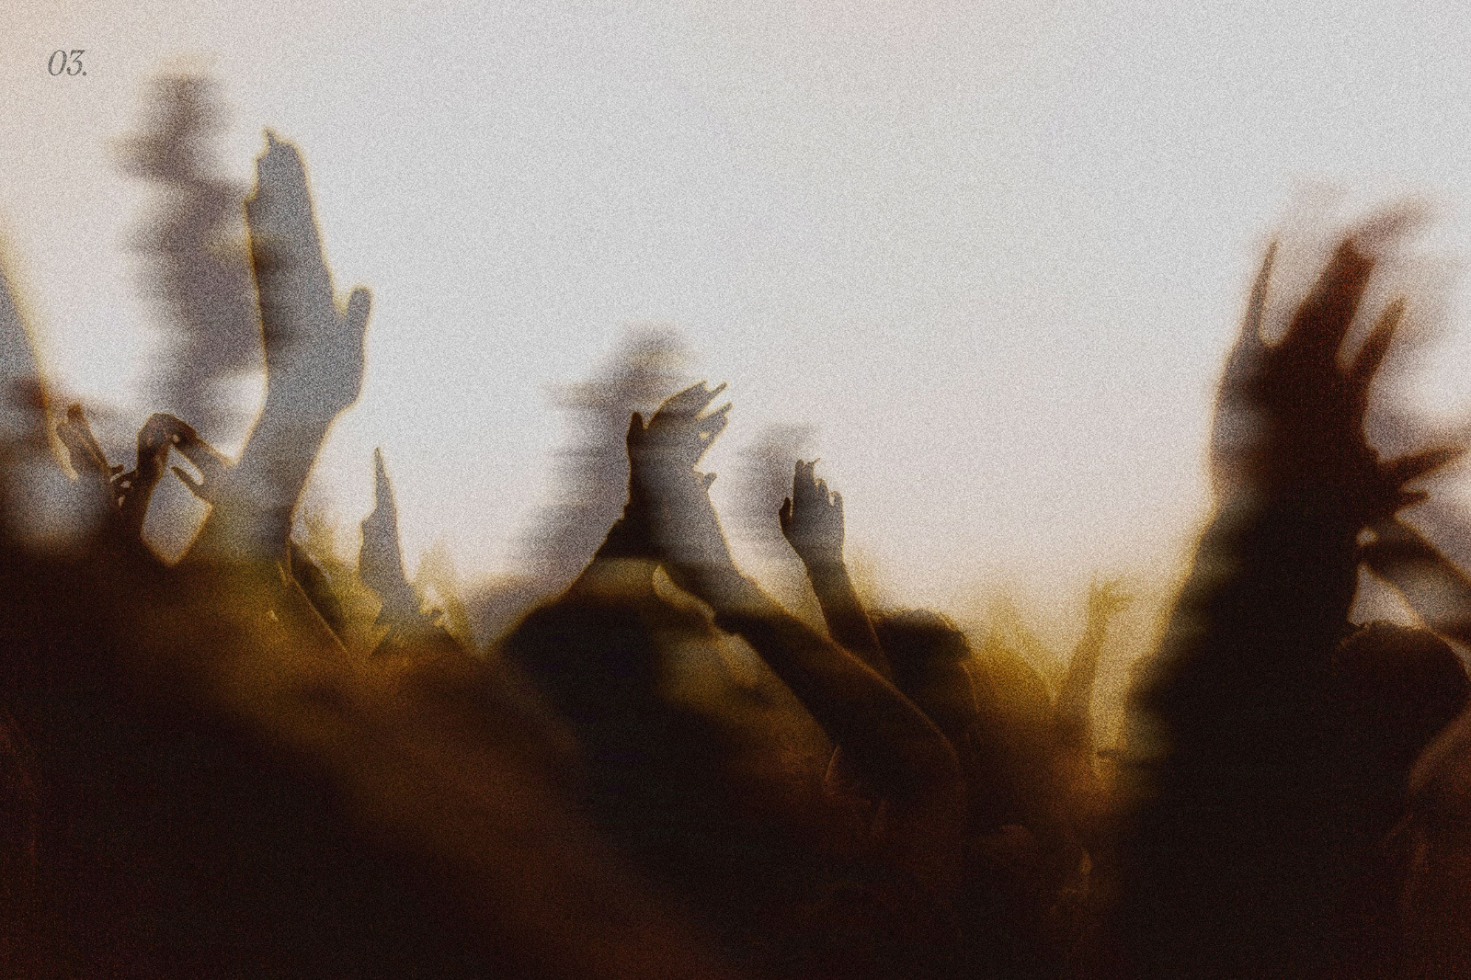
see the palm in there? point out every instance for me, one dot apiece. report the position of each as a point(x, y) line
point(812, 518)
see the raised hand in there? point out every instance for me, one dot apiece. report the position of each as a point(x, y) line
point(812, 519)
point(1075, 697)
point(314, 367)
point(1290, 420)
point(677, 436)
point(1105, 600)
point(1237, 709)
point(314, 352)
point(662, 456)
point(812, 522)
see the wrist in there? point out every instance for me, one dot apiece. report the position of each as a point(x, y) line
point(826, 570)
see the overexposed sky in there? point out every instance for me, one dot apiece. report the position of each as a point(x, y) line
point(993, 252)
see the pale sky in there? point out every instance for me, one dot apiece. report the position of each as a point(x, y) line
point(993, 252)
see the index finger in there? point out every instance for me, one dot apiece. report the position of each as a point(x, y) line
point(692, 400)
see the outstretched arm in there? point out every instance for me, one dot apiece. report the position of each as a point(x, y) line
point(314, 366)
point(812, 522)
point(623, 566)
point(1073, 711)
point(1235, 767)
point(1295, 480)
point(895, 747)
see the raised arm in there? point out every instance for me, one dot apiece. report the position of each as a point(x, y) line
point(1073, 711)
point(314, 366)
point(1295, 480)
point(812, 522)
point(1235, 781)
point(895, 747)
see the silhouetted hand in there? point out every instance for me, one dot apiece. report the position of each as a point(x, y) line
point(314, 352)
point(314, 368)
point(677, 436)
point(1291, 421)
point(812, 519)
point(1073, 709)
point(812, 522)
point(662, 455)
point(1105, 600)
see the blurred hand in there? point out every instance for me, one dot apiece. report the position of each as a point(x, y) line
point(812, 519)
point(1105, 599)
point(314, 352)
point(1291, 421)
point(662, 455)
point(677, 436)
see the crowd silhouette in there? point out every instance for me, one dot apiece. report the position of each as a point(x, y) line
point(249, 759)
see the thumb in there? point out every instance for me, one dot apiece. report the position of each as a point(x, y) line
point(359, 305)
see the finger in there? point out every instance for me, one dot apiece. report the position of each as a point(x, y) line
point(710, 426)
point(382, 488)
point(1366, 364)
point(153, 438)
point(784, 514)
point(1247, 353)
point(718, 417)
point(1321, 323)
point(172, 423)
point(635, 429)
point(78, 419)
point(690, 401)
point(1409, 498)
point(210, 463)
point(706, 480)
point(1413, 466)
point(838, 505)
point(1382, 230)
point(1396, 544)
point(805, 487)
point(359, 306)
